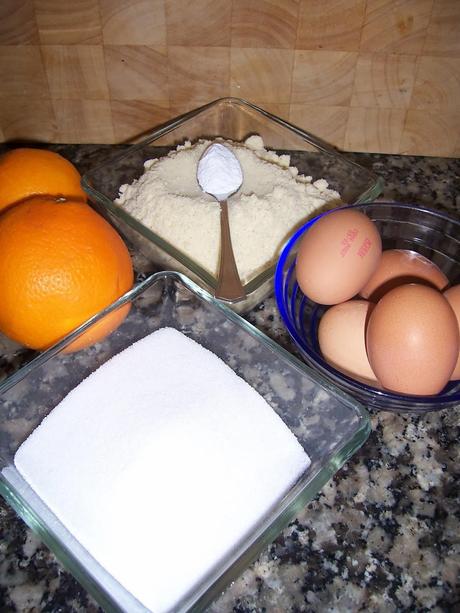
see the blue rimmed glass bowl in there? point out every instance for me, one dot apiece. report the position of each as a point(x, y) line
point(431, 233)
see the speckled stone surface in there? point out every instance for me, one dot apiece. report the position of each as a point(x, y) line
point(382, 535)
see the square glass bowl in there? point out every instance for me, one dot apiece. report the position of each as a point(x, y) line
point(234, 119)
point(328, 423)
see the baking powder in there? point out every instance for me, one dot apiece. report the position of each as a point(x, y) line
point(219, 172)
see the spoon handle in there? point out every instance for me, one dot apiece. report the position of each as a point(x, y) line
point(229, 286)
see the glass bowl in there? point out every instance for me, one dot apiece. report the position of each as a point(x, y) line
point(402, 226)
point(233, 119)
point(329, 424)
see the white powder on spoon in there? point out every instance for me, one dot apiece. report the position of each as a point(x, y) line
point(159, 463)
point(219, 172)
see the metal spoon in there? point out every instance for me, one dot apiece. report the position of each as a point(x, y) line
point(219, 174)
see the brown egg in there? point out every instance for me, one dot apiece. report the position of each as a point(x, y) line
point(341, 337)
point(412, 340)
point(337, 256)
point(400, 266)
point(453, 298)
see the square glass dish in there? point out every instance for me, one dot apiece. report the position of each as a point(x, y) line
point(236, 120)
point(328, 423)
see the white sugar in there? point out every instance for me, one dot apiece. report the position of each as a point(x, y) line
point(159, 463)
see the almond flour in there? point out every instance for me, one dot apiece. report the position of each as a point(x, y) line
point(273, 200)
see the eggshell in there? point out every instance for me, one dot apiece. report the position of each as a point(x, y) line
point(412, 340)
point(341, 337)
point(400, 266)
point(337, 256)
point(453, 298)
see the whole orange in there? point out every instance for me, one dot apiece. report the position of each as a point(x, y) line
point(26, 172)
point(60, 264)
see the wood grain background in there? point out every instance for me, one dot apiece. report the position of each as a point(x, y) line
point(365, 75)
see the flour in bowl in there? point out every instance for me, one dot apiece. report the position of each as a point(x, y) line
point(272, 201)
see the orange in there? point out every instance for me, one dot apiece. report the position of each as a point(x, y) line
point(60, 264)
point(28, 172)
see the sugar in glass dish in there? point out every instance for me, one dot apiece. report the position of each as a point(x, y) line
point(433, 234)
point(329, 424)
point(233, 119)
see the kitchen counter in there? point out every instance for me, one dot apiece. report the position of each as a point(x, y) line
point(382, 535)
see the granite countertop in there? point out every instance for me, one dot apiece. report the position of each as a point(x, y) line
point(382, 535)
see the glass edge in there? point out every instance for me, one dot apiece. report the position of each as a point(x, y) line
point(154, 238)
point(408, 404)
point(372, 193)
point(317, 142)
point(66, 558)
point(441, 214)
point(154, 134)
point(243, 559)
point(204, 295)
point(274, 346)
point(178, 121)
point(44, 356)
